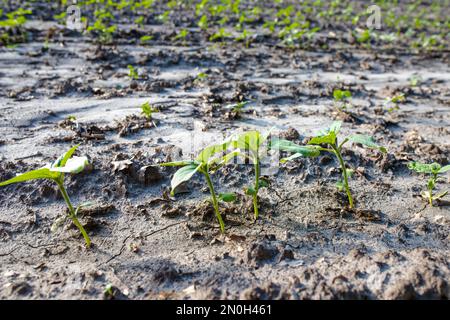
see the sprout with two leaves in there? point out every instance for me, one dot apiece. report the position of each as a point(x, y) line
point(248, 145)
point(433, 169)
point(326, 140)
point(252, 146)
point(55, 172)
point(208, 161)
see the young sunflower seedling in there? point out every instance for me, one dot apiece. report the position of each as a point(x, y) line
point(132, 72)
point(251, 146)
point(433, 169)
point(55, 172)
point(208, 161)
point(341, 98)
point(392, 103)
point(147, 110)
point(326, 140)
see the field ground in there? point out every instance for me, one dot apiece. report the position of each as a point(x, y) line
point(61, 87)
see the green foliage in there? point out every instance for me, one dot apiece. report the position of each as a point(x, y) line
point(12, 28)
point(221, 34)
point(203, 22)
point(326, 140)
point(132, 72)
point(104, 32)
point(182, 35)
point(55, 172)
point(207, 161)
point(341, 95)
point(393, 103)
point(433, 169)
point(249, 145)
point(145, 39)
point(245, 37)
point(147, 110)
point(341, 98)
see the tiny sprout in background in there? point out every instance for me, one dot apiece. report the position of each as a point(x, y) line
point(433, 169)
point(341, 98)
point(201, 76)
point(145, 39)
point(182, 35)
point(55, 172)
point(392, 103)
point(415, 81)
point(147, 110)
point(132, 72)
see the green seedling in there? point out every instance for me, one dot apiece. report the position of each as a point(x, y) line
point(433, 169)
point(415, 81)
point(207, 162)
point(363, 36)
point(236, 109)
point(108, 291)
point(220, 34)
point(105, 32)
point(245, 36)
point(132, 72)
point(182, 35)
point(164, 17)
point(201, 76)
point(139, 21)
point(148, 110)
point(341, 98)
point(326, 140)
point(393, 103)
point(145, 39)
point(249, 145)
point(56, 172)
point(203, 22)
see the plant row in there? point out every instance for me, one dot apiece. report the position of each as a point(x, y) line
point(251, 146)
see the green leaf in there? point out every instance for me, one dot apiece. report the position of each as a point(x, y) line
point(431, 184)
point(73, 165)
point(227, 197)
point(290, 158)
point(184, 174)
point(341, 94)
point(335, 127)
point(286, 145)
point(424, 167)
point(263, 183)
point(330, 138)
point(366, 141)
point(43, 173)
point(249, 141)
point(226, 158)
point(62, 160)
point(206, 154)
point(250, 191)
point(444, 169)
